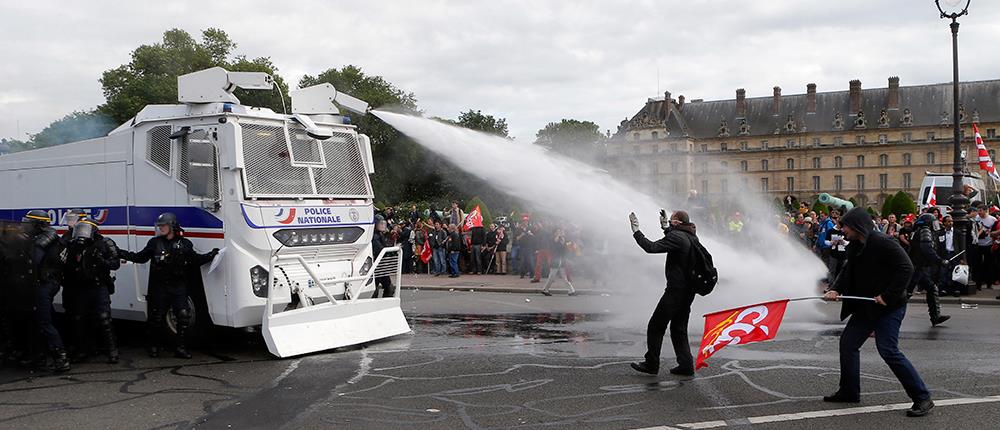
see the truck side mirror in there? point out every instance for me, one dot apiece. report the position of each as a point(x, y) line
point(201, 169)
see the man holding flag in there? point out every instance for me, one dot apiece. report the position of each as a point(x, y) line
point(877, 267)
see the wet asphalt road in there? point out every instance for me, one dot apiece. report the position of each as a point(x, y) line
point(484, 360)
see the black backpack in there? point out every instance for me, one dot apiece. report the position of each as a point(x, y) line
point(701, 273)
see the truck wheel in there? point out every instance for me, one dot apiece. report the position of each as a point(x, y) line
point(201, 323)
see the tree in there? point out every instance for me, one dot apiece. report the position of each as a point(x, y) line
point(74, 127)
point(151, 75)
point(871, 211)
point(902, 204)
point(578, 139)
point(887, 206)
point(476, 120)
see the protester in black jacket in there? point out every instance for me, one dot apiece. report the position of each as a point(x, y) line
point(876, 267)
point(674, 307)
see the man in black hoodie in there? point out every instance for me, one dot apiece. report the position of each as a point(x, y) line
point(674, 307)
point(877, 267)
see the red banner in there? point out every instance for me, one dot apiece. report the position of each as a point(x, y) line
point(474, 219)
point(753, 323)
point(426, 253)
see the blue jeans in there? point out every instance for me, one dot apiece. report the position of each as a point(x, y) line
point(439, 263)
point(886, 329)
point(515, 254)
point(453, 262)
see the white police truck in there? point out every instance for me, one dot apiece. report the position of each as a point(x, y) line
point(287, 198)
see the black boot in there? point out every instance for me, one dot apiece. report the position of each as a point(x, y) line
point(920, 408)
point(60, 362)
point(110, 342)
point(683, 371)
point(181, 351)
point(940, 319)
point(644, 367)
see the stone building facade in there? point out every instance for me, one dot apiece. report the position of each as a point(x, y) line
point(865, 144)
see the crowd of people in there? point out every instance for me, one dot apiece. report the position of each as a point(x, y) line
point(441, 243)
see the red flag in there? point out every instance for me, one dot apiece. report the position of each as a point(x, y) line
point(474, 219)
point(932, 196)
point(426, 253)
point(753, 323)
point(985, 163)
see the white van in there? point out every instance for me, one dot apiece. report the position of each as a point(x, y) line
point(286, 197)
point(942, 189)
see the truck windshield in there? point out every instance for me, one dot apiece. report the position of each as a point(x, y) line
point(285, 162)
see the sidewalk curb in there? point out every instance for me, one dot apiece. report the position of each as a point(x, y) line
point(488, 289)
point(961, 300)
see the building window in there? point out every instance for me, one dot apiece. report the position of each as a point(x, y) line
point(838, 162)
point(673, 147)
point(991, 133)
point(930, 135)
point(635, 136)
point(883, 139)
point(817, 141)
point(723, 146)
point(861, 182)
point(815, 183)
point(837, 141)
point(743, 165)
point(790, 164)
point(724, 184)
point(763, 165)
point(746, 183)
point(838, 183)
point(907, 137)
point(704, 186)
point(883, 160)
point(930, 158)
point(860, 140)
point(883, 181)
point(676, 186)
point(674, 167)
point(861, 161)
point(993, 154)
point(790, 143)
point(725, 165)
point(704, 167)
point(907, 178)
point(656, 135)
point(817, 164)
point(763, 184)
point(763, 144)
point(704, 148)
point(791, 183)
point(907, 159)
point(743, 146)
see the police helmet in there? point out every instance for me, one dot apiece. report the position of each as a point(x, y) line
point(926, 219)
point(74, 216)
point(168, 218)
point(85, 231)
point(380, 223)
point(37, 217)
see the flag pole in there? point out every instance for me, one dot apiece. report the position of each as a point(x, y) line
point(799, 299)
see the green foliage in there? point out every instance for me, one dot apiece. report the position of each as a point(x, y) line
point(819, 207)
point(477, 120)
point(871, 211)
point(476, 201)
point(902, 204)
point(578, 139)
point(887, 206)
point(151, 75)
point(72, 128)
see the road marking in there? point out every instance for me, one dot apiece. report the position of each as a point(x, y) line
point(820, 414)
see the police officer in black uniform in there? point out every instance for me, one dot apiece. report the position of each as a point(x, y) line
point(173, 261)
point(380, 241)
point(926, 264)
point(90, 260)
point(47, 259)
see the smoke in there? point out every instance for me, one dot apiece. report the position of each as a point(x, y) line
point(770, 267)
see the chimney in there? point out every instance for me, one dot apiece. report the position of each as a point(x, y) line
point(855, 96)
point(680, 101)
point(666, 102)
point(741, 102)
point(776, 104)
point(810, 98)
point(893, 102)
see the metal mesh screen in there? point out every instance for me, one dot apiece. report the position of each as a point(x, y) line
point(158, 146)
point(388, 265)
point(267, 161)
point(305, 150)
point(345, 173)
point(199, 137)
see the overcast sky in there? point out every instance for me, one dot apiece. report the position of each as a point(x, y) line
point(531, 62)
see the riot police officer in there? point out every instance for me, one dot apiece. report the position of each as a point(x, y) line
point(173, 260)
point(926, 263)
point(381, 240)
point(47, 260)
point(91, 258)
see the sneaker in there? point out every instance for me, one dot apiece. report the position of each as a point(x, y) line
point(546, 293)
point(682, 371)
point(644, 368)
point(920, 408)
point(940, 320)
point(535, 281)
point(841, 398)
point(571, 293)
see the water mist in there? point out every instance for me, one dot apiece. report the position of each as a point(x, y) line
point(774, 268)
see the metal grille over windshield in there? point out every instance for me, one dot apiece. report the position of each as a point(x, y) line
point(339, 171)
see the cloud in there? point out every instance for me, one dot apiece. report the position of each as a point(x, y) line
point(528, 61)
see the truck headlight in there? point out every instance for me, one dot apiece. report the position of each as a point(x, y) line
point(318, 236)
point(366, 267)
point(258, 281)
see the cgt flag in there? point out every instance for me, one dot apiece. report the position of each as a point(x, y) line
point(425, 252)
point(932, 196)
point(474, 219)
point(739, 326)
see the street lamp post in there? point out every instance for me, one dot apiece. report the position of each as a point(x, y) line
point(958, 201)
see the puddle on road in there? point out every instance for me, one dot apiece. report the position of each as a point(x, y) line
point(568, 326)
